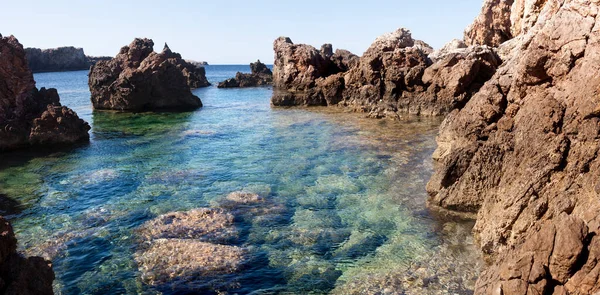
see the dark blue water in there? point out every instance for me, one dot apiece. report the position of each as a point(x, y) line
point(351, 189)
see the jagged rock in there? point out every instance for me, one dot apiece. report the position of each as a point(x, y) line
point(140, 79)
point(522, 154)
point(260, 75)
point(18, 274)
point(395, 75)
point(28, 116)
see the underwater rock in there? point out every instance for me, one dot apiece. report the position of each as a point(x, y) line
point(140, 79)
point(260, 76)
point(209, 225)
point(252, 207)
point(29, 116)
point(19, 274)
point(177, 261)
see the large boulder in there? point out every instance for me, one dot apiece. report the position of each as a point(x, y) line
point(522, 154)
point(139, 79)
point(29, 116)
point(19, 274)
point(260, 75)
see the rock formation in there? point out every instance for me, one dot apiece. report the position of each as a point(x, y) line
point(522, 154)
point(260, 75)
point(29, 116)
point(395, 75)
point(60, 59)
point(140, 79)
point(18, 274)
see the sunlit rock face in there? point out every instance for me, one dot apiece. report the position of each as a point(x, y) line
point(29, 116)
point(522, 153)
point(396, 75)
point(140, 79)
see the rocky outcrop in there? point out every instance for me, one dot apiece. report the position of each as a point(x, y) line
point(60, 59)
point(522, 154)
point(260, 75)
point(18, 274)
point(29, 116)
point(395, 75)
point(140, 79)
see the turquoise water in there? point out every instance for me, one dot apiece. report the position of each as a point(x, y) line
point(350, 193)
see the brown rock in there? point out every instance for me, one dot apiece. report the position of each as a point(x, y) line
point(18, 274)
point(28, 116)
point(522, 152)
point(140, 79)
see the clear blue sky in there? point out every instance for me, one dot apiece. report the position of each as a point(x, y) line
point(230, 31)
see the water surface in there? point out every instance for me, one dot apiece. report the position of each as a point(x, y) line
point(352, 192)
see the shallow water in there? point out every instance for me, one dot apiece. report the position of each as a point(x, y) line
point(351, 194)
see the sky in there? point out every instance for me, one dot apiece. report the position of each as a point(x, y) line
point(230, 31)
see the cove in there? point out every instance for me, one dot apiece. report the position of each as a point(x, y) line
point(351, 189)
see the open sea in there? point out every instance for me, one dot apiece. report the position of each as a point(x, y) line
point(350, 191)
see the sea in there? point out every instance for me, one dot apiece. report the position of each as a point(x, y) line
point(350, 195)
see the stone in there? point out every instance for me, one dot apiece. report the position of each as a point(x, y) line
point(28, 116)
point(395, 75)
point(202, 224)
point(139, 79)
point(176, 261)
point(522, 152)
point(260, 75)
point(19, 274)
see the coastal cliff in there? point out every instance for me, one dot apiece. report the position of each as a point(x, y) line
point(60, 59)
point(29, 116)
point(140, 79)
point(523, 152)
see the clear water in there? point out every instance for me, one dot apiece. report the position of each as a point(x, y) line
point(353, 191)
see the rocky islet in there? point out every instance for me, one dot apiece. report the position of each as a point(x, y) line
point(139, 79)
point(260, 75)
point(66, 58)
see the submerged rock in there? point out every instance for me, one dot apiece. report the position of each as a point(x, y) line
point(29, 116)
point(260, 75)
point(203, 224)
point(180, 261)
point(522, 153)
point(19, 274)
point(140, 79)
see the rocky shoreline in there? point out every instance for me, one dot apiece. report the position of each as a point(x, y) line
point(518, 149)
point(60, 59)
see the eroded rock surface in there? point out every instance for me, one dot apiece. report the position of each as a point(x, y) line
point(19, 274)
point(29, 116)
point(260, 75)
point(140, 79)
point(523, 154)
point(395, 75)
